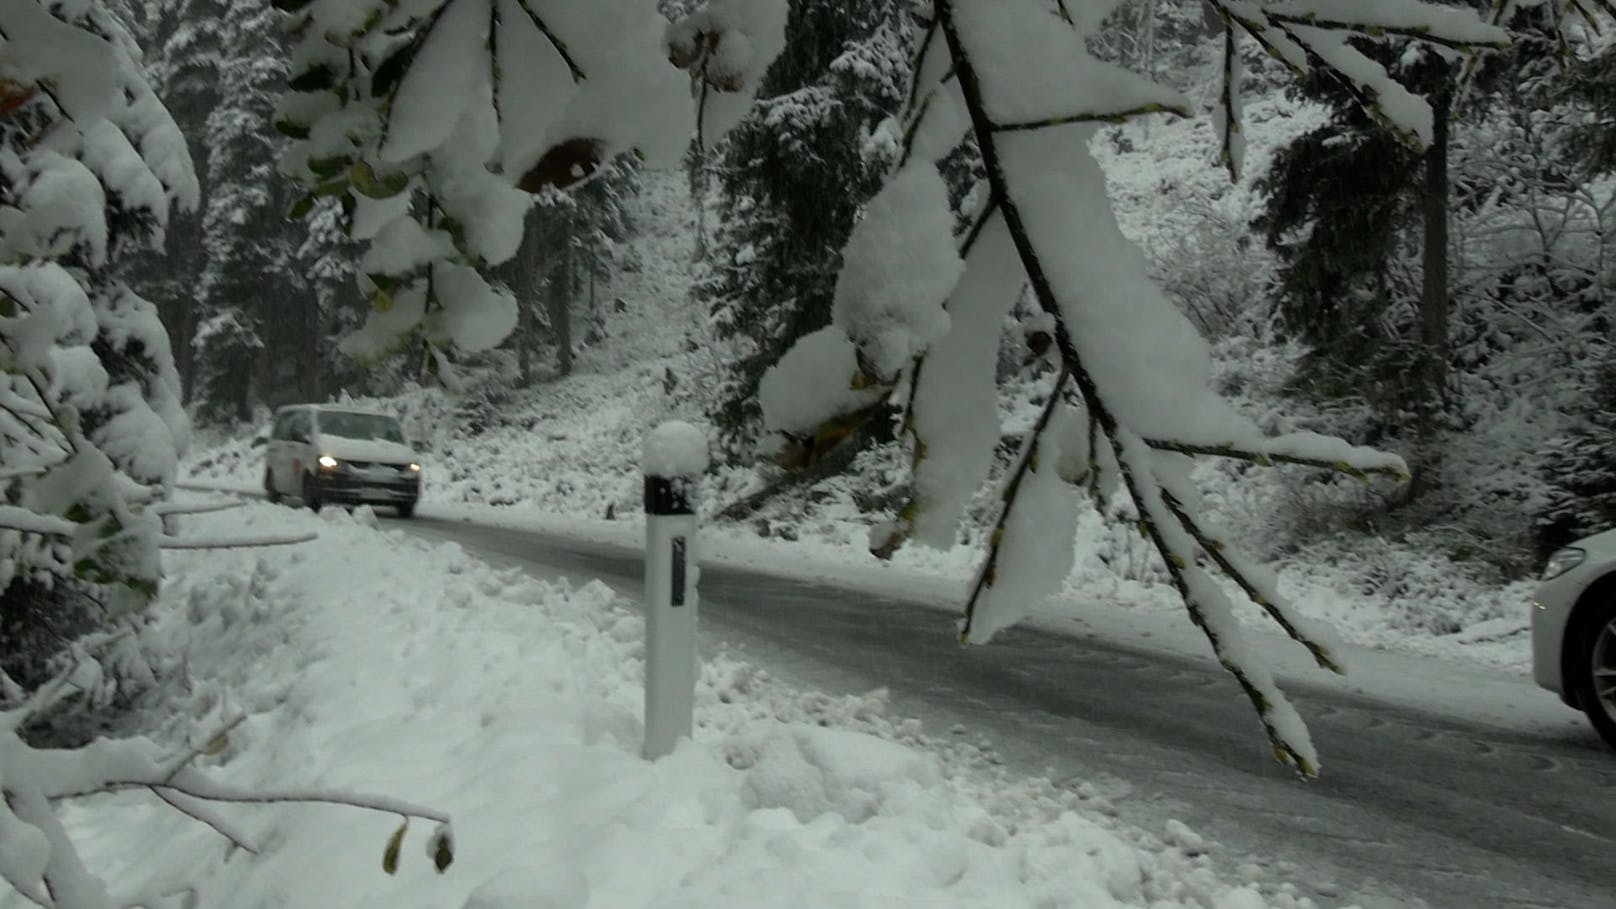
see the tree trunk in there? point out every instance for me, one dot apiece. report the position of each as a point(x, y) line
point(561, 282)
point(183, 341)
point(307, 347)
point(1434, 292)
point(529, 286)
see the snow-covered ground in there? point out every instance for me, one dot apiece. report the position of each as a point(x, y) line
point(370, 661)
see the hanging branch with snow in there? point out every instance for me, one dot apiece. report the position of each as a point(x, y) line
point(433, 124)
point(90, 417)
point(918, 313)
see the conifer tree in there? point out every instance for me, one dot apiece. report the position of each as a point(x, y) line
point(1364, 229)
point(243, 311)
point(791, 180)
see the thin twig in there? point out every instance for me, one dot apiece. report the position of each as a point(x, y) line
point(202, 815)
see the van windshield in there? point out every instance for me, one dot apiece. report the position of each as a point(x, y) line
point(360, 426)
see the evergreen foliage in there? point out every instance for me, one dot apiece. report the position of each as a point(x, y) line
point(1527, 305)
point(792, 180)
point(572, 241)
point(1581, 470)
point(247, 313)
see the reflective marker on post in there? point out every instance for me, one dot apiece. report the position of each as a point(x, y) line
point(675, 457)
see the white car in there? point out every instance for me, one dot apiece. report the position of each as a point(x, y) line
point(326, 453)
point(1574, 629)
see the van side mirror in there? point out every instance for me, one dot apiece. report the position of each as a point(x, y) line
point(260, 440)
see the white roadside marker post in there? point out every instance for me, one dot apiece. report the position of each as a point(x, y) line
point(674, 459)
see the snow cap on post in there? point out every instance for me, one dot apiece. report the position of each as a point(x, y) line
point(675, 455)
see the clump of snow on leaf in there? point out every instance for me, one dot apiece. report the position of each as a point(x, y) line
point(898, 266)
point(813, 382)
point(734, 41)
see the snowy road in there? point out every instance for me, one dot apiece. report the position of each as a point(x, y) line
point(1413, 809)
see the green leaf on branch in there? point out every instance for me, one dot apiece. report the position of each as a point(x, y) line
point(442, 849)
point(385, 186)
point(325, 168)
point(301, 208)
point(334, 187)
point(395, 843)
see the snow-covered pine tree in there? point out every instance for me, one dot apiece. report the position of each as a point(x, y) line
point(1349, 211)
point(790, 180)
point(1580, 464)
point(571, 243)
point(244, 313)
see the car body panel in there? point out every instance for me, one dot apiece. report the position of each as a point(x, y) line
point(1553, 604)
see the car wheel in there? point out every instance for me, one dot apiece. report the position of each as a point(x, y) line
point(1597, 694)
point(406, 509)
point(270, 492)
point(311, 497)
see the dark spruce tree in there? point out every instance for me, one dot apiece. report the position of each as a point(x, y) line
point(1360, 222)
point(791, 180)
point(570, 244)
point(237, 282)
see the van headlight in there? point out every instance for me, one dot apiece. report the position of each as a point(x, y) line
point(1562, 561)
point(328, 463)
point(415, 468)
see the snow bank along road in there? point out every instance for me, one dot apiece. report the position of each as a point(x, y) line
point(1413, 808)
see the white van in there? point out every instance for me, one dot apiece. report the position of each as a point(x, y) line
point(327, 453)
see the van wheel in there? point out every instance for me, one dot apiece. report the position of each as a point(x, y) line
point(1596, 676)
point(270, 492)
point(406, 510)
point(311, 497)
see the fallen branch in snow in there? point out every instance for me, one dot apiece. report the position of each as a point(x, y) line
point(237, 543)
point(34, 781)
point(170, 509)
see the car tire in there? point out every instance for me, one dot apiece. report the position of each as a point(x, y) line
point(273, 496)
point(406, 510)
point(1595, 672)
point(311, 497)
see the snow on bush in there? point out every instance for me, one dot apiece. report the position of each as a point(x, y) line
point(373, 659)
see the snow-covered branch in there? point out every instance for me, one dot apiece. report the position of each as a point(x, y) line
point(435, 123)
point(1131, 407)
point(35, 780)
